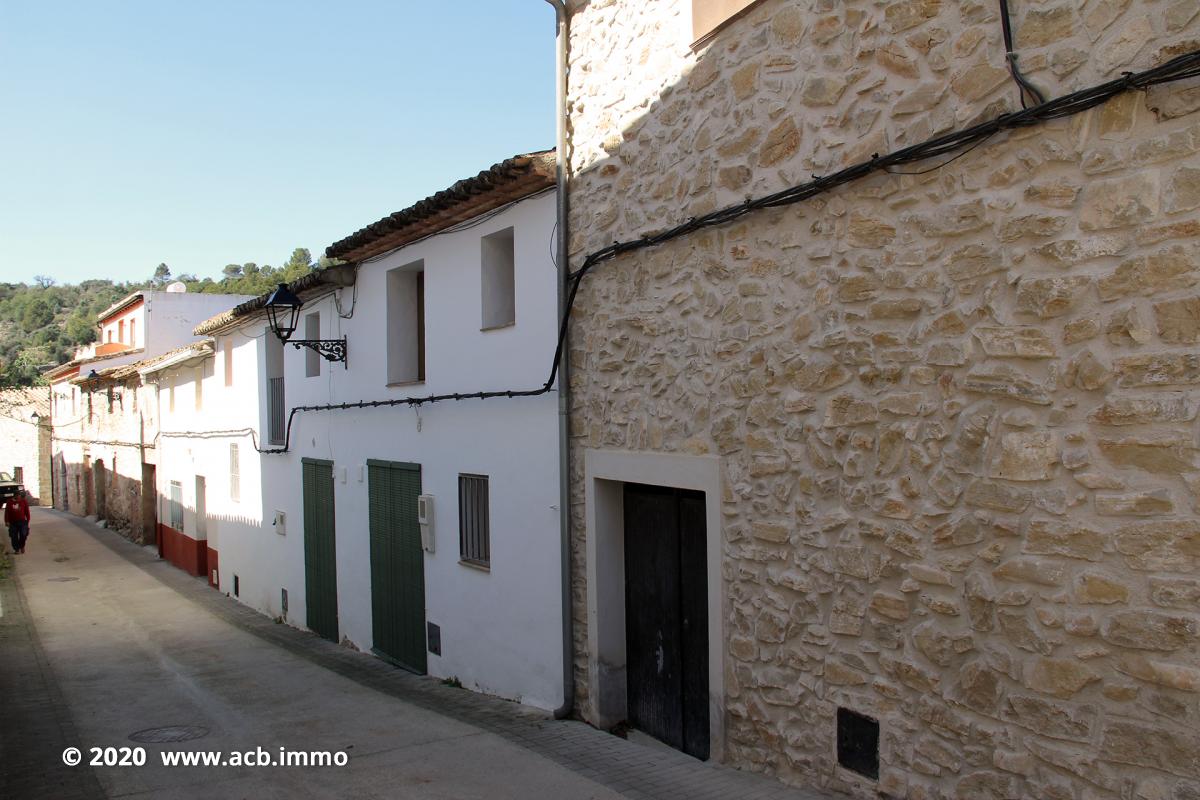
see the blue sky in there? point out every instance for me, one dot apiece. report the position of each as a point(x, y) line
point(206, 133)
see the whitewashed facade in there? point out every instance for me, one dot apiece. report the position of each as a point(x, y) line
point(103, 419)
point(483, 313)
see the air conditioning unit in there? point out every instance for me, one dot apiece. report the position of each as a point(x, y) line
point(425, 520)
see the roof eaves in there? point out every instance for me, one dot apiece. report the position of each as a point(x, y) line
point(510, 180)
point(305, 285)
point(121, 304)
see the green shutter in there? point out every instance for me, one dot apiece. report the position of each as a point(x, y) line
point(320, 549)
point(397, 564)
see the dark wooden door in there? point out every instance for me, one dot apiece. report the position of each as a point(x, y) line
point(100, 484)
point(320, 550)
point(397, 564)
point(666, 615)
point(149, 505)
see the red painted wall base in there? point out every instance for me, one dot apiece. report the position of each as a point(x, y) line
point(183, 551)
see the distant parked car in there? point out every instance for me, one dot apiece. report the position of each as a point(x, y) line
point(9, 486)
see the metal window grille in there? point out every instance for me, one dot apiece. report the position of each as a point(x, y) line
point(177, 505)
point(474, 543)
point(235, 474)
point(275, 410)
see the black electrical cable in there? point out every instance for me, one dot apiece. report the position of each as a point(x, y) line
point(1178, 68)
point(1011, 57)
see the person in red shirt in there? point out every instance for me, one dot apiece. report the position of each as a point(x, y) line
point(16, 517)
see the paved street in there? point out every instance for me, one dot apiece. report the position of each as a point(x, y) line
point(99, 640)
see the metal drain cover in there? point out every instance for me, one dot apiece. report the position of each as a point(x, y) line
point(171, 733)
point(63, 579)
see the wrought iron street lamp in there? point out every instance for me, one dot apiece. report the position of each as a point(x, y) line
point(283, 311)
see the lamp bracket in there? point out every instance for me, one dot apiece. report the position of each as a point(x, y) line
point(329, 349)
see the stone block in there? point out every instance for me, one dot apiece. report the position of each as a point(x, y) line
point(892, 606)
point(1158, 369)
point(1166, 545)
point(978, 81)
point(940, 645)
point(1173, 676)
point(781, 143)
point(1175, 592)
point(1064, 538)
point(1173, 407)
point(979, 687)
point(1060, 677)
point(905, 14)
point(1165, 271)
point(1151, 745)
point(1004, 381)
point(1183, 190)
point(1151, 630)
point(1026, 456)
point(1050, 718)
point(1135, 504)
point(846, 410)
point(1095, 589)
point(1031, 570)
point(1163, 453)
point(997, 496)
point(1178, 320)
point(1015, 342)
point(1050, 296)
point(1120, 50)
point(1118, 202)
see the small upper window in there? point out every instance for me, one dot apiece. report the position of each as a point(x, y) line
point(497, 284)
point(406, 323)
point(710, 15)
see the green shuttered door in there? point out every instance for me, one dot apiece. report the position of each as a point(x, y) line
point(397, 564)
point(320, 553)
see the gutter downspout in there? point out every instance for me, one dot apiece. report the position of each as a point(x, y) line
point(564, 383)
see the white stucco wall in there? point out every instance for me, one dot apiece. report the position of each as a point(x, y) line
point(195, 441)
point(501, 629)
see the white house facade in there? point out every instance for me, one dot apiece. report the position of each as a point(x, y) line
point(103, 419)
point(427, 532)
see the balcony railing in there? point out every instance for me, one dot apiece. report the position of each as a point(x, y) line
point(275, 420)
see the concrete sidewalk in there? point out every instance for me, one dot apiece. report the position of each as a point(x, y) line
point(127, 643)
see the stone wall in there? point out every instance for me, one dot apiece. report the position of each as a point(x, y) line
point(956, 411)
point(24, 443)
point(114, 426)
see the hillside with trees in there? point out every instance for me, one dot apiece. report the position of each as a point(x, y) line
point(42, 323)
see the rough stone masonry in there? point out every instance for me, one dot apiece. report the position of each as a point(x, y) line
point(956, 411)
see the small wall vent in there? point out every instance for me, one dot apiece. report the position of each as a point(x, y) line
point(858, 743)
point(434, 636)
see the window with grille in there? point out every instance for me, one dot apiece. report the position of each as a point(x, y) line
point(474, 545)
point(177, 505)
point(235, 474)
